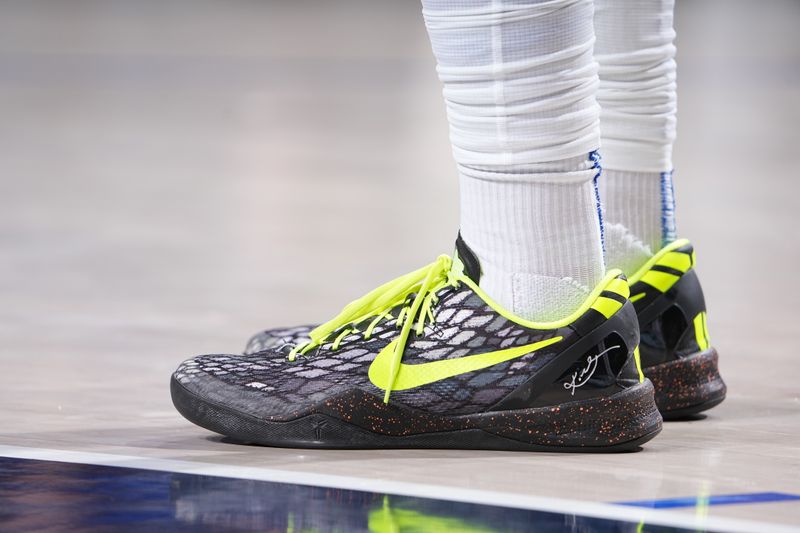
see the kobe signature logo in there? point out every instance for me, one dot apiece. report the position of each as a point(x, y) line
point(317, 426)
point(582, 376)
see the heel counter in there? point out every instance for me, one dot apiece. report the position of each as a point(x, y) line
point(602, 362)
point(690, 301)
point(608, 365)
point(672, 318)
point(631, 370)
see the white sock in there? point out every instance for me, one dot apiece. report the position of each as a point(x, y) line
point(639, 216)
point(519, 83)
point(638, 102)
point(538, 241)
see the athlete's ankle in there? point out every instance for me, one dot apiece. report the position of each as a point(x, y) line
point(639, 216)
point(537, 236)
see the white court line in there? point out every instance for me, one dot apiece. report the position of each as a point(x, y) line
point(483, 497)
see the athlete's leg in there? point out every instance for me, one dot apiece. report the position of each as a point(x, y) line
point(519, 84)
point(637, 95)
point(636, 54)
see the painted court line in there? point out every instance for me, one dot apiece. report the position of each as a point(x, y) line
point(721, 499)
point(481, 497)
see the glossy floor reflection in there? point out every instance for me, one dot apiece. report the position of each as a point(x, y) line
point(44, 495)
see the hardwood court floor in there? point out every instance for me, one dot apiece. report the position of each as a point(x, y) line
point(176, 176)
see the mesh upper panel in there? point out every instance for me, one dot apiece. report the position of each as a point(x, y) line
point(465, 325)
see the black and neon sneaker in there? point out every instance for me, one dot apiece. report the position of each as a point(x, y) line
point(428, 360)
point(675, 349)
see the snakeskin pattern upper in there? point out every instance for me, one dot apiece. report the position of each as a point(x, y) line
point(464, 325)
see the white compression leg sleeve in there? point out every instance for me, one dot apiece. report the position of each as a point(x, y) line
point(519, 84)
point(637, 96)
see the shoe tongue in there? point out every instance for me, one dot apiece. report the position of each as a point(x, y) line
point(465, 259)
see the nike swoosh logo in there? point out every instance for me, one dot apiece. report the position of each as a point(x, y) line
point(412, 376)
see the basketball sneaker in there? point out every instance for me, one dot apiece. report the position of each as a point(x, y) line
point(675, 349)
point(428, 360)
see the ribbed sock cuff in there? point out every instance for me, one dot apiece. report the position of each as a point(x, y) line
point(643, 203)
point(538, 241)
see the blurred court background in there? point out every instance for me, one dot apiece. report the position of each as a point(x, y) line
point(176, 175)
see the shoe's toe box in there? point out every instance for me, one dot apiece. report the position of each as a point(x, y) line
point(241, 384)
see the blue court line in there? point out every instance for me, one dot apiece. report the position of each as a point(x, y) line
point(722, 499)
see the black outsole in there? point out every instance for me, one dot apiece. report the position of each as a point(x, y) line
point(619, 423)
point(688, 386)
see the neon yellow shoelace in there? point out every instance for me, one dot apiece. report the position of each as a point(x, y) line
point(377, 305)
